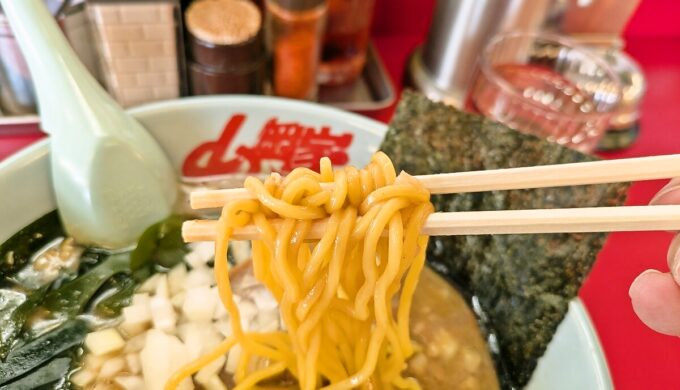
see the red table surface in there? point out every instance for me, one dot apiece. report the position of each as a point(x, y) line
point(638, 358)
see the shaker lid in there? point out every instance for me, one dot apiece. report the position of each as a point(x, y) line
point(298, 5)
point(223, 22)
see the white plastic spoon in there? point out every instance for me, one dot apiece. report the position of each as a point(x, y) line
point(110, 177)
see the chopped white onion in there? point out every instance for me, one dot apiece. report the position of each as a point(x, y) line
point(200, 276)
point(161, 356)
point(232, 359)
point(199, 303)
point(163, 315)
point(200, 254)
point(83, 378)
point(104, 341)
point(130, 382)
point(176, 278)
point(112, 367)
point(149, 285)
point(133, 363)
point(210, 370)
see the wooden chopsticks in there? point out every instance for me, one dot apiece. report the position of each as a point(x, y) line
point(544, 176)
point(580, 220)
point(596, 219)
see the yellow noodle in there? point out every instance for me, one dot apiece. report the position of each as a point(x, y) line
point(335, 293)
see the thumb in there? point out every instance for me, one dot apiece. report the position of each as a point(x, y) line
point(669, 195)
point(656, 301)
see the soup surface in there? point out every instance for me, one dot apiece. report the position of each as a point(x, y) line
point(452, 352)
point(65, 291)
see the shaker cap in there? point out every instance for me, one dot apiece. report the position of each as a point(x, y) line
point(298, 5)
point(223, 22)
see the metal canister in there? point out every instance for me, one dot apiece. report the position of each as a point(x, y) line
point(444, 67)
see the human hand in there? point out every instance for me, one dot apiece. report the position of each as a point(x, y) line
point(656, 295)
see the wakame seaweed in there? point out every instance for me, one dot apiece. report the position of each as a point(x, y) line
point(523, 282)
point(16, 252)
point(122, 287)
point(32, 357)
point(15, 307)
point(160, 244)
point(72, 297)
point(35, 353)
point(54, 371)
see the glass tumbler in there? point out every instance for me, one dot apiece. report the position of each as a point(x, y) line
point(547, 86)
point(345, 42)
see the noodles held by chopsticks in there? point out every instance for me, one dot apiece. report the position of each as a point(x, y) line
point(335, 294)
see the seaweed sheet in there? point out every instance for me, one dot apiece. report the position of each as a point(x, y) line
point(523, 283)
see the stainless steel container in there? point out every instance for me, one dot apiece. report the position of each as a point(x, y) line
point(444, 67)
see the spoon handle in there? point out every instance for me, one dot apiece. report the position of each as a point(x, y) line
point(111, 178)
point(67, 93)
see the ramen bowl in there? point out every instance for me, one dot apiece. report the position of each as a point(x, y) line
point(229, 137)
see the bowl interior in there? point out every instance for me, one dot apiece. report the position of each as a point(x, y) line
point(239, 134)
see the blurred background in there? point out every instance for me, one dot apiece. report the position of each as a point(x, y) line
point(601, 76)
point(577, 73)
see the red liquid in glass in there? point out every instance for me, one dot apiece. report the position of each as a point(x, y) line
point(344, 45)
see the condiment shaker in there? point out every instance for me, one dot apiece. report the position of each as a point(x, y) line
point(227, 53)
point(444, 67)
point(140, 49)
point(345, 41)
point(295, 29)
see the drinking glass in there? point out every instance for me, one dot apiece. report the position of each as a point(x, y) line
point(345, 42)
point(548, 86)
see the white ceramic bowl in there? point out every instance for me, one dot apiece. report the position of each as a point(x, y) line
point(273, 133)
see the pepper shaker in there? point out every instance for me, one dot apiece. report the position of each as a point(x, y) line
point(227, 47)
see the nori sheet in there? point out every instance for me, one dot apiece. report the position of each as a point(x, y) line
point(523, 283)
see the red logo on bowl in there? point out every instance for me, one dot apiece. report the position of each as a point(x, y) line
point(280, 146)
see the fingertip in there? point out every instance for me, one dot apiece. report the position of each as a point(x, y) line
point(669, 195)
point(655, 297)
point(673, 258)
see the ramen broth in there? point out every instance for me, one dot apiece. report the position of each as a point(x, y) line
point(450, 350)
